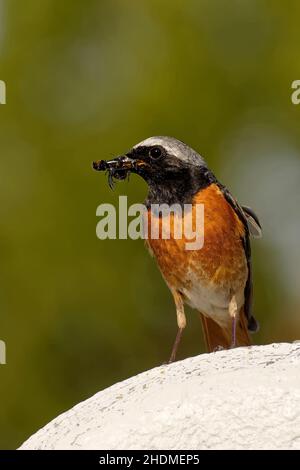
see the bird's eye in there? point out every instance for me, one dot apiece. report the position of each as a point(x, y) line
point(155, 152)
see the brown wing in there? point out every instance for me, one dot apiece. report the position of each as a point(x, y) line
point(252, 227)
point(253, 222)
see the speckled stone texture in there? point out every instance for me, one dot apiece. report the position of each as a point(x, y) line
point(245, 398)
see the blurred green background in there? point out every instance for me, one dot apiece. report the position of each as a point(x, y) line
point(87, 80)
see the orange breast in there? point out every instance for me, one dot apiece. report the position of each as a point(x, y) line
point(220, 262)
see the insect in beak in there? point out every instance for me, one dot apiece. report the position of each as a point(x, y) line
point(118, 168)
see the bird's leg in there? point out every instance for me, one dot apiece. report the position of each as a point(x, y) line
point(175, 346)
point(181, 322)
point(233, 312)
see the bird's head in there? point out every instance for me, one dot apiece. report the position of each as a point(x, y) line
point(170, 167)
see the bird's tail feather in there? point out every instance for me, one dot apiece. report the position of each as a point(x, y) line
point(217, 337)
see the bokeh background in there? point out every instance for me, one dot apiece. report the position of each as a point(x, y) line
point(87, 80)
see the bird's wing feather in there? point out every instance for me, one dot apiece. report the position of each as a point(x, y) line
point(251, 223)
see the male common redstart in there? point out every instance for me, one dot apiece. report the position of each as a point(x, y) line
point(216, 280)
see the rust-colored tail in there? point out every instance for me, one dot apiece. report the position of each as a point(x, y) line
point(216, 337)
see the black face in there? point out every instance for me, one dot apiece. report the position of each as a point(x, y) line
point(150, 162)
point(171, 179)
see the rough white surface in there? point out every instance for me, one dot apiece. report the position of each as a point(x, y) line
point(245, 398)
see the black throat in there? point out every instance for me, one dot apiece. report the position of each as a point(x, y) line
point(178, 187)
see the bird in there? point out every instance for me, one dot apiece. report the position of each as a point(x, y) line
point(215, 280)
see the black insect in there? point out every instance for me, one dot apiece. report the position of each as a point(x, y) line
point(113, 170)
point(112, 174)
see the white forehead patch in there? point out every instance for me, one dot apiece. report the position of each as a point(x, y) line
point(174, 147)
point(169, 143)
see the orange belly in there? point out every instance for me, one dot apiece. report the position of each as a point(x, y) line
point(208, 277)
